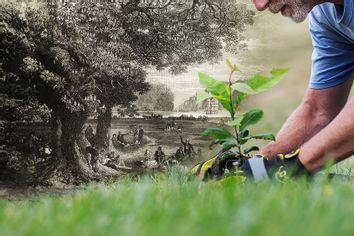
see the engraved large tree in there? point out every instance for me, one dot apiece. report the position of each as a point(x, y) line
point(122, 38)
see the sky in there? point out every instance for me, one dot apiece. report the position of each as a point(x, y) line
point(271, 40)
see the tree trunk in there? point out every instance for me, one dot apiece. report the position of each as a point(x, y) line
point(73, 148)
point(73, 155)
point(56, 136)
point(103, 130)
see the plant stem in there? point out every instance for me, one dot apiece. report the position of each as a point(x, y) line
point(233, 112)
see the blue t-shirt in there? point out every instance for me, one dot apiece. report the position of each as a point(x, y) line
point(332, 32)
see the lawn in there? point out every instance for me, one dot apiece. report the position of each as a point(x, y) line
point(171, 205)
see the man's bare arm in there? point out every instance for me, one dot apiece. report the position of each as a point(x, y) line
point(317, 110)
point(334, 143)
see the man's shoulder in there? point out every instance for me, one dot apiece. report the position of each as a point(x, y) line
point(334, 20)
point(323, 14)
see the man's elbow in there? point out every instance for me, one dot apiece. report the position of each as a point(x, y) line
point(319, 115)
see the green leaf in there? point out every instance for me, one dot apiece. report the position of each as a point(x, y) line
point(202, 95)
point(265, 136)
point(242, 141)
point(218, 133)
point(228, 145)
point(222, 142)
point(244, 133)
point(243, 88)
point(243, 136)
point(251, 149)
point(260, 83)
point(235, 122)
point(240, 98)
point(218, 89)
point(231, 180)
point(229, 155)
point(232, 66)
point(250, 118)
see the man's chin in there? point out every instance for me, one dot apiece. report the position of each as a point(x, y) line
point(297, 19)
point(299, 15)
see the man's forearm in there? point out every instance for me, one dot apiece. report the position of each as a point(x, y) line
point(333, 143)
point(302, 125)
point(316, 111)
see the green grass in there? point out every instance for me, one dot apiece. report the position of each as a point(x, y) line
point(172, 206)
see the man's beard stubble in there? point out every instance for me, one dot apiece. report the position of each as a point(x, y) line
point(299, 8)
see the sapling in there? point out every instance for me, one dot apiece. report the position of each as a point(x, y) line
point(230, 95)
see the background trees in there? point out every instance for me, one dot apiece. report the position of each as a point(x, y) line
point(158, 98)
point(63, 62)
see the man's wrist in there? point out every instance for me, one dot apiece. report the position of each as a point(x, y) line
point(306, 157)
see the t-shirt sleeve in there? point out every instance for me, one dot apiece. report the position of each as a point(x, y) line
point(333, 54)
